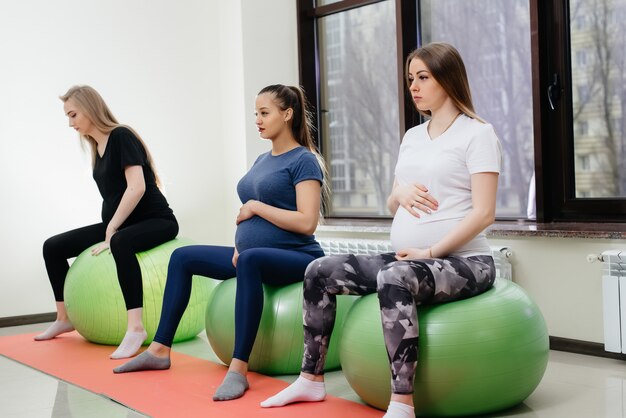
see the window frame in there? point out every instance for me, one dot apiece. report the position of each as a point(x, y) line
point(554, 129)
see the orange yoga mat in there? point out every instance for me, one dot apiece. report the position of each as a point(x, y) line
point(183, 390)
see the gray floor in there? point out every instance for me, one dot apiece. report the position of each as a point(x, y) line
point(573, 386)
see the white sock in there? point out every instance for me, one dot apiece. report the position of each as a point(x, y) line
point(399, 410)
point(130, 344)
point(302, 390)
point(57, 328)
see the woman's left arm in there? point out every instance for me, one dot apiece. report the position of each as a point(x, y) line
point(135, 188)
point(303, 220)
point(484, 189)
point(483, 213)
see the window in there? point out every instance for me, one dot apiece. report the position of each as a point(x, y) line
point(617, 126)
point(585, 176)
point(581, 58)
point(583, 96)
point(584, 163)
point(597, 106)
point(358, 99)
point(550, 77)
point(497, 59)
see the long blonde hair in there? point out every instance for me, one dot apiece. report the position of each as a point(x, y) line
point(301, 126)
point(89, 102)
point(446, 66)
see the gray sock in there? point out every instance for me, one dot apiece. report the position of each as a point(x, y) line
point(233, 387)
point(144, 361)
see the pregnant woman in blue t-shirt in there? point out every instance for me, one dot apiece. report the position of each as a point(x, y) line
point(274, 242)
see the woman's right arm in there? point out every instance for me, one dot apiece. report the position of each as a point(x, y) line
point(412, 197)
point(303, 220)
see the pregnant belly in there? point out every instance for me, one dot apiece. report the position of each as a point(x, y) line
point(407, 231)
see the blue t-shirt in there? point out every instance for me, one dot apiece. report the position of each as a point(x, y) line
point(272, 180)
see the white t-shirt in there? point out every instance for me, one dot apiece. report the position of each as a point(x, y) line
point(444, 165)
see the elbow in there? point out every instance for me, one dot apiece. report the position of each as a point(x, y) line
point(141, 187)
point(309, 226)
point(488, 217)
point(482, 217)
point(309, 229)
point(138, 191)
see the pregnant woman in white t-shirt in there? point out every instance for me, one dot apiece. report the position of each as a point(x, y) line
point(443, 198)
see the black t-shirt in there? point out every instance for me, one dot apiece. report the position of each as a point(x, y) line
point(124, 149)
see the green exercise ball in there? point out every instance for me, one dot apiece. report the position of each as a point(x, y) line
point(95, 304)
point(476, 356)
point(279, 343)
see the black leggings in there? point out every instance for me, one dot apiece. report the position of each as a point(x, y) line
point(124, 244)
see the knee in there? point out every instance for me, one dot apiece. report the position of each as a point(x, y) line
point(403, 280)
point(252, 264)
point(392, 274)
point(324, 271)
point(250, 257)
point(313, 269)
point(322, 267)
point(51, 246)
point(117, 244)
point(312, 274)
point(180, 259)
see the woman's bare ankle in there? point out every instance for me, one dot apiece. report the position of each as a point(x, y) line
point(238, 366)
point(312, 377)
point(159, 350)
point(402, 398)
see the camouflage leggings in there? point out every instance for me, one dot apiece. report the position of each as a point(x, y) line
point(401, 286)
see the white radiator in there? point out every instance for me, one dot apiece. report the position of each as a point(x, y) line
point(364, 246)
point(613, 292)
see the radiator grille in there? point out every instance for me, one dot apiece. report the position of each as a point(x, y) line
point(613, 292)
point(363, 247)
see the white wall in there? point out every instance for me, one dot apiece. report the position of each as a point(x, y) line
point(270, 50)
point(153, 62)
point(258, 47)
point(184, 74)
point(567, 288)
point(233, 116)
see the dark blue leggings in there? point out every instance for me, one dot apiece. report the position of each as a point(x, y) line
point(254, 267)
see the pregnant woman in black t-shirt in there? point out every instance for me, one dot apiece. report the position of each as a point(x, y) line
point(135, 214)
